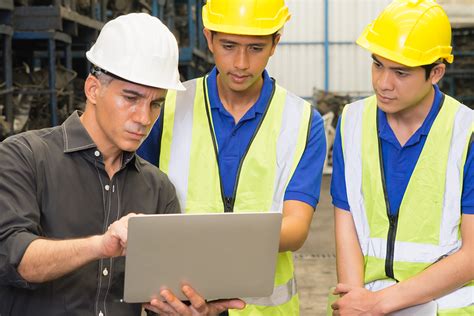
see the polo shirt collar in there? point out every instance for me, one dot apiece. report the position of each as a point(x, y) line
point(76, 138)
point(386, 132)
point(258, 107)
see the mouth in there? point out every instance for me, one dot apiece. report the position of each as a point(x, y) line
point(137, 136)
point(239, 78)
point(384, 99)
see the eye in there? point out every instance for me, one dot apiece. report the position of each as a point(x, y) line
point(400, 73)
point(228, 46)
point(377, 65)
point(256, 48)
point(130, 98)
point(157, 105)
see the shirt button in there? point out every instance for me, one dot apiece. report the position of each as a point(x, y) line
point(107, 187)
point(105, 272)
point(96, 153)
point(101, 314)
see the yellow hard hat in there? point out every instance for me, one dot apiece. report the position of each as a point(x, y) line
point(245, 17)
point(410, 32)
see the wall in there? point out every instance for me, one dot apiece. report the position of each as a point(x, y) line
point(299, 61)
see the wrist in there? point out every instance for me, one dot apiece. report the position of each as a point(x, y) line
point(97, 249)
point(382, 306)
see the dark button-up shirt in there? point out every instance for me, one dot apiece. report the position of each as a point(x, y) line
point(53, 184)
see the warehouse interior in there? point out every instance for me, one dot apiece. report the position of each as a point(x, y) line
point(44, 43)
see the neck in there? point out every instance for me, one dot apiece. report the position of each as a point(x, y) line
point(405, 123)
point(111, 154)
point(237, 103)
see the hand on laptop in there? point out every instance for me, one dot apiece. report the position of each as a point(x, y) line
point(113, 242)
point(198, 306)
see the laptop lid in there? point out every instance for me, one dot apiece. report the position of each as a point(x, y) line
point(221, 255)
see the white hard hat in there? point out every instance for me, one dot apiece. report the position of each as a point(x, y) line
point(138, 48)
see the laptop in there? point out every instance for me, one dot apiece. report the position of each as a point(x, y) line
point(221, 255)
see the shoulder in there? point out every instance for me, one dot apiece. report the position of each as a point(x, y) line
point(153, 176)
point(191, 84)
point(358, 105)
point(31, 142)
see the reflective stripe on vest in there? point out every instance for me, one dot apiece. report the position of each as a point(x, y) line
point(434, 191)
point(189, 157)
point(460, 297)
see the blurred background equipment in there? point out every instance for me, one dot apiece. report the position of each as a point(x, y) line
point(330, 106)
point(43, 53)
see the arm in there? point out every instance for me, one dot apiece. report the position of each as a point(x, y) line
point(295, 225)
point(302, 192)
point(439, 279)
point(45, 260)
point(349, 258)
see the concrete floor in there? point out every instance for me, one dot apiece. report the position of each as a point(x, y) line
point(315, 262)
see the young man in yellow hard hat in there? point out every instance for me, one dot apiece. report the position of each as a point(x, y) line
point(235, 141)
point(67, 192)
point(403, 177)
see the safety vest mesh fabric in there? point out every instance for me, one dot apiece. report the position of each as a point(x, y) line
point(188, 156)
point(429, 216)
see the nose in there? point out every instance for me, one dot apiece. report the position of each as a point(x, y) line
point(241, 61)
point(142, 114)
point(384, 80)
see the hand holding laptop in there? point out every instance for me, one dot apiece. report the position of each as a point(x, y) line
point(197, 306)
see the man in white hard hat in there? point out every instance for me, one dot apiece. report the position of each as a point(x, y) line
point(67, 192)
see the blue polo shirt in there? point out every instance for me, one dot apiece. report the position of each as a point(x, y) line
point(399, 162)
point(233, 140)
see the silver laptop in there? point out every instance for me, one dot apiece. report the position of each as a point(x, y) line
point(224, 255)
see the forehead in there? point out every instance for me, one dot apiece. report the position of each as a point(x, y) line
point(243, 39)
point(391, 64)
point(121, 86)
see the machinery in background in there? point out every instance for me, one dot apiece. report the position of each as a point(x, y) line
point(459, 78)
point(43, 52)
point(330, 106)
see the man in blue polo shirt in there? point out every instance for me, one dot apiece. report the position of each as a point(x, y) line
point(235, 141)
point(403, 176)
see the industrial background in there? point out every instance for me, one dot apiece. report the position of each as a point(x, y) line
point(43, 67)
point(43, 48)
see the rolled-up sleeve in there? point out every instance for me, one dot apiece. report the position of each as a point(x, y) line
point(19, 210)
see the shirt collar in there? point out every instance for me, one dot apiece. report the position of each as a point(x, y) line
point(259, 106)
point(385, 131)
point(76, 138)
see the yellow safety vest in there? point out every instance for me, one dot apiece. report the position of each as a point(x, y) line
point(427, 227)
point(189, 157)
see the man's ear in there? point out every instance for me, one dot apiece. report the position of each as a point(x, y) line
point(92, 89)
point(208, 35)
point(275, 42)
point(437, 73)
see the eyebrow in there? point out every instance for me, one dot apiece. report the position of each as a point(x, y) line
point(140, 95)
point(225, 41)
point(392, 68)
point(135, 93)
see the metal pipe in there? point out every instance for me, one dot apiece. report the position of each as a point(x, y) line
point(326, 45)
point(53, 103)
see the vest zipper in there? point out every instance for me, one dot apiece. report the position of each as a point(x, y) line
point(392, 219)
point(230, 201)
point(392, 232)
